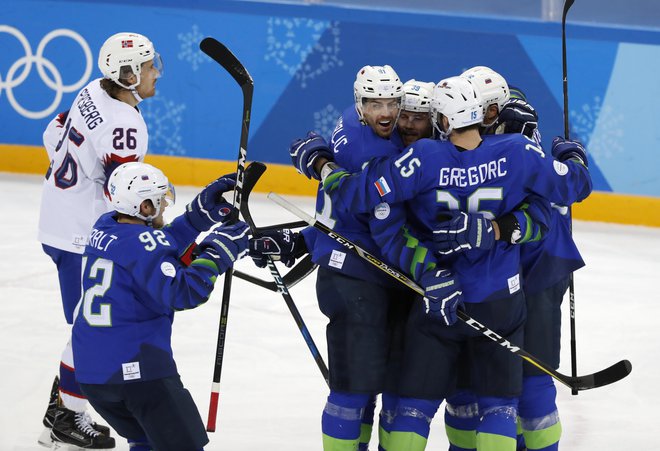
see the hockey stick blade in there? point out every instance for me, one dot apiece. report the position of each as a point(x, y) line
point(302, 269)
point(601, 378)
point(587, 382)
point(223, 56)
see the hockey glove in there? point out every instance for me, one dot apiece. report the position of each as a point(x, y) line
point(282, 245)
point(443, 295)
point(462, 231)
point(564, 149)
point(305, 151)
point(209, 207)
point(518, 116)
point(225, 245)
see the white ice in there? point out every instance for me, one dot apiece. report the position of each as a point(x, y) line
point(272, 392)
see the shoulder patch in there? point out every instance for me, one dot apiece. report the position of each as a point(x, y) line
point(382, 210)
point(168, 269)
point(382, 187)
point(560, 168)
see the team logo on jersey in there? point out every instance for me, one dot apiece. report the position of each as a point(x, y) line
point(382, 186)
point(168, 269)
point(560, 168)
point(382, 211)
point(127, 44)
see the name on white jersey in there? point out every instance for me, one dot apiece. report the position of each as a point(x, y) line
point(88, 110)
point(101, 240)
point(473, 175)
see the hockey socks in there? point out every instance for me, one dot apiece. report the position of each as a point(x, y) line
point(497, 429)
point(367, 424)
point(461, 421)
point(539, 417)
point(342, 420)
point(70, 393)
point(410, 429)
point(386, 419)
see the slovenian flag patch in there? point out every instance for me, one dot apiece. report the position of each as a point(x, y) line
point(382, 187)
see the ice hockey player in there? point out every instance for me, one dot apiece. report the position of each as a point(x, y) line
point(469, 167)
point(132, 283)
point(103, 129)
point(546, 266)
point(366, 310)
point(415, 118)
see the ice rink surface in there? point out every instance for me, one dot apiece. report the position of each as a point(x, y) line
point(272, 393)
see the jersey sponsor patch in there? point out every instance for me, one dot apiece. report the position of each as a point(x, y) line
point(337, 259)
point(131, 371)
point(168, 269)
point(514, 283)
point(382, 210)
point(382, 186)
point(560, 168)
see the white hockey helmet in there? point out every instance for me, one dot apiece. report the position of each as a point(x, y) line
point(491, 85)
point(376, 82)
point(458, 100)
point(132, 183)
point(418, 95)
point(122, 55)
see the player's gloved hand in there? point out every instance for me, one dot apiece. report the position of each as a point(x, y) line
point(283, 245)
point(225, 245)
point(209, 207)
point(305, 151)
point(460, 231)
point(443, 295)
point(563, 149)
point(518, 116)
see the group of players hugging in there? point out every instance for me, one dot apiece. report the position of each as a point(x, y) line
point(446, 181)
point(449, 183)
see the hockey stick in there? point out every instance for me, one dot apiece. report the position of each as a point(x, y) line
point(221, 55)
point(571, 284)
point(607, 376)
point(252, 175)
point(302, 269)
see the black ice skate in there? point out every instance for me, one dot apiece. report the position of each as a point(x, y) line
point(75, 429)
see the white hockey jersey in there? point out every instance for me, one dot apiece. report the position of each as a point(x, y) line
point(99, 134)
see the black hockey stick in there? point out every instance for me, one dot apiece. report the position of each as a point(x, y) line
point(607, 376)
point(221, 55)
point(302, 269)
point(252, 175)
point(571, 284)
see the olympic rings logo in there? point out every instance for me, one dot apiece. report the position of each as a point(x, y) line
point(49, 74)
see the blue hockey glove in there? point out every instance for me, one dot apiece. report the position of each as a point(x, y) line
point(563, 149)
point(282, 245)
point(209, 207)
point(305, 151)
point(225, 245)
point(462, 231)
point(518, 116)
point(443, 295)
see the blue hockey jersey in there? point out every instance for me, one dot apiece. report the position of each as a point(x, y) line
point(493, 179)
point(353, 144)
point(132, 283)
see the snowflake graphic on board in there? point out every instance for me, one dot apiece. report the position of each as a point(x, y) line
point(325, 121)
point(189, 50)
point(163, 118)
point(292, 42)
point(607, 143)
